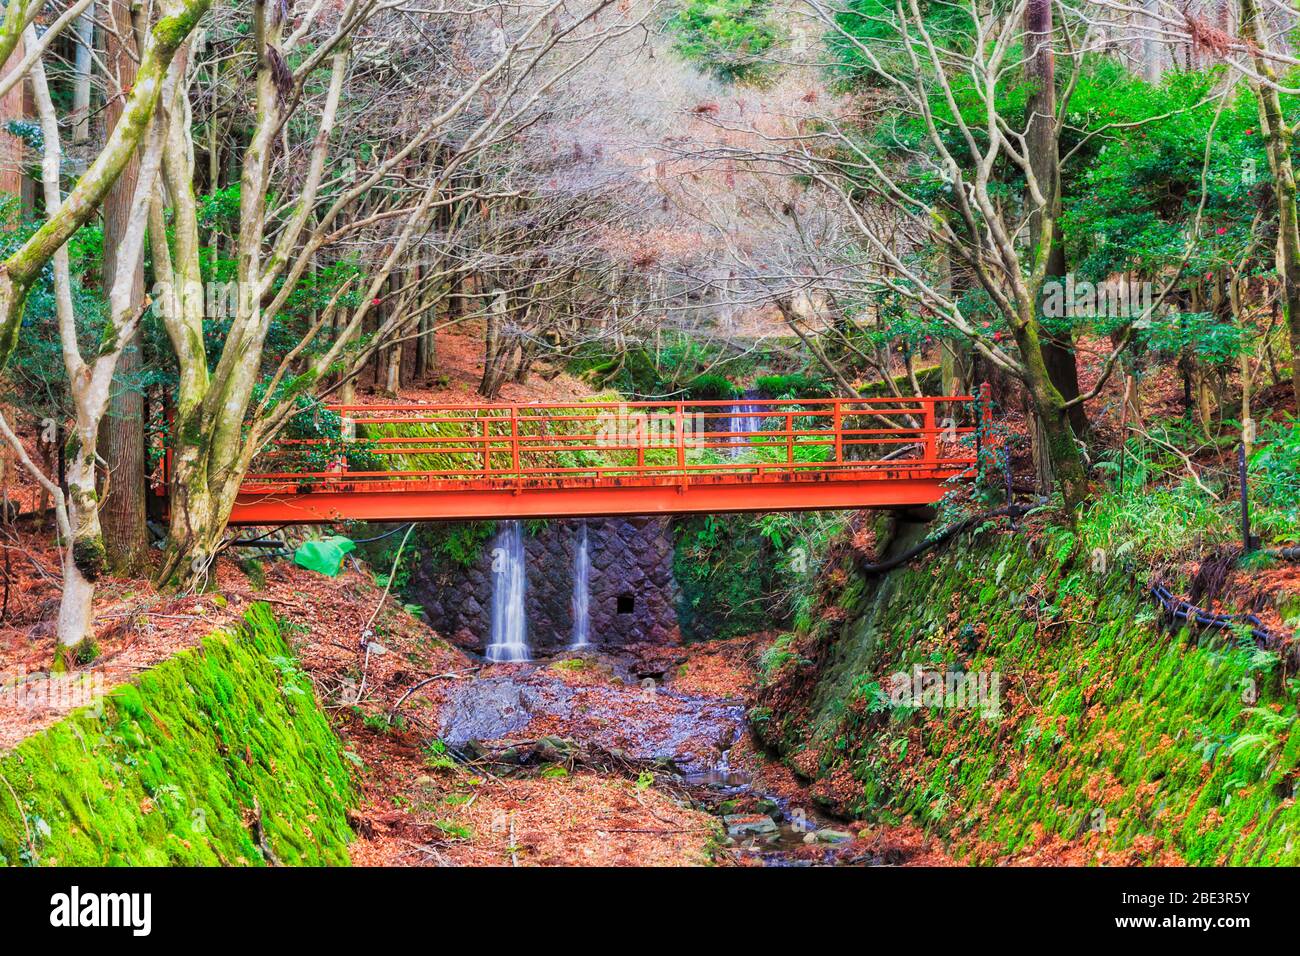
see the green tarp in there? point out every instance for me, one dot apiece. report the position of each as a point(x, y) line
point(325, 556)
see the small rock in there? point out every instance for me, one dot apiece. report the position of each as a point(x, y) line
point(740, 824)
point(810, 837)
point(832, 836)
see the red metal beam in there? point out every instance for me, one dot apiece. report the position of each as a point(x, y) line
point(381, 501)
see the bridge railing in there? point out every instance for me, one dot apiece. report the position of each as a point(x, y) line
point(620, 441)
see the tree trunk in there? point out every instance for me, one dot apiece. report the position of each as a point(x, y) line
point(1051, 360)
point(1063, 368)
point(1277, 141)
point(85, 39)
point(392, 383)
point(84, 558)
point(393, 372)
point(1056, 438)
point(196, 524)
point(121, 435)
point(1153, 58)
point(494, 347)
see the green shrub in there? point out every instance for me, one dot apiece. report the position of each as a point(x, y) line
point(797, 385)
point(710, 387)
point(1275, 482)
point(724, 36)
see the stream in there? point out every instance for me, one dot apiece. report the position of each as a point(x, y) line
point(661, 714)
point(621, 713)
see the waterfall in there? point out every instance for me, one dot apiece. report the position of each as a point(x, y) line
point(744, 418)
point(509, 627)
point(581, 589)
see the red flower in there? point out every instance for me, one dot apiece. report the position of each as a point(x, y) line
point(1250, 132)
point(375, 301)
point(1221, 230)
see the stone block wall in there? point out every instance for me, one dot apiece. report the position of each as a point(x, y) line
point(632, 592)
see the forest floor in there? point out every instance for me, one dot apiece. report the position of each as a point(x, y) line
point(459, 371)
point(601, 769)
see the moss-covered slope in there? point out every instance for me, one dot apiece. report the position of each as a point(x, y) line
point(219, 756)
point(1116, 740)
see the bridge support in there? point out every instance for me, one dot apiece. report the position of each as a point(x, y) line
point(576, 499)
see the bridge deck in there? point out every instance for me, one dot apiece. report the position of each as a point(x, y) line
point(430, 462)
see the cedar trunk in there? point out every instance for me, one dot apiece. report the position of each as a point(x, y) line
point(121, 434)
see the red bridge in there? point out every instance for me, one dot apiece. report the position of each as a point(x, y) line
point(427, 462)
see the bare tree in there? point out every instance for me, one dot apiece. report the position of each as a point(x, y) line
point(219, 426)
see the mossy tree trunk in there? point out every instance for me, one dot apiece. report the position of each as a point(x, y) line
point(17, 13)
point(218, 427)
point(89, 381)
point(217, 431)
point(1051, 374)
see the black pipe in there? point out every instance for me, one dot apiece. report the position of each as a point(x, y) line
point(1189, 613)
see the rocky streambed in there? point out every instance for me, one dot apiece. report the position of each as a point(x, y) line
point(668, 718)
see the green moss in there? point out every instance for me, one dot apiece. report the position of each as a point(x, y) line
point(89, 556)
point(255, 572)
point(86, 652)
point(219, 756)
point(1112, 731)
point(726, 571)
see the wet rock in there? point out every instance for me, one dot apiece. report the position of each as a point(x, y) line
point(742, 825)
point(556, 749)
point(488, 710)
point(832, 836)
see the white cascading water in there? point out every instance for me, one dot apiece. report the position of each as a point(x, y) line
point(581, 590)
point(744, 418)
point(509, 626)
